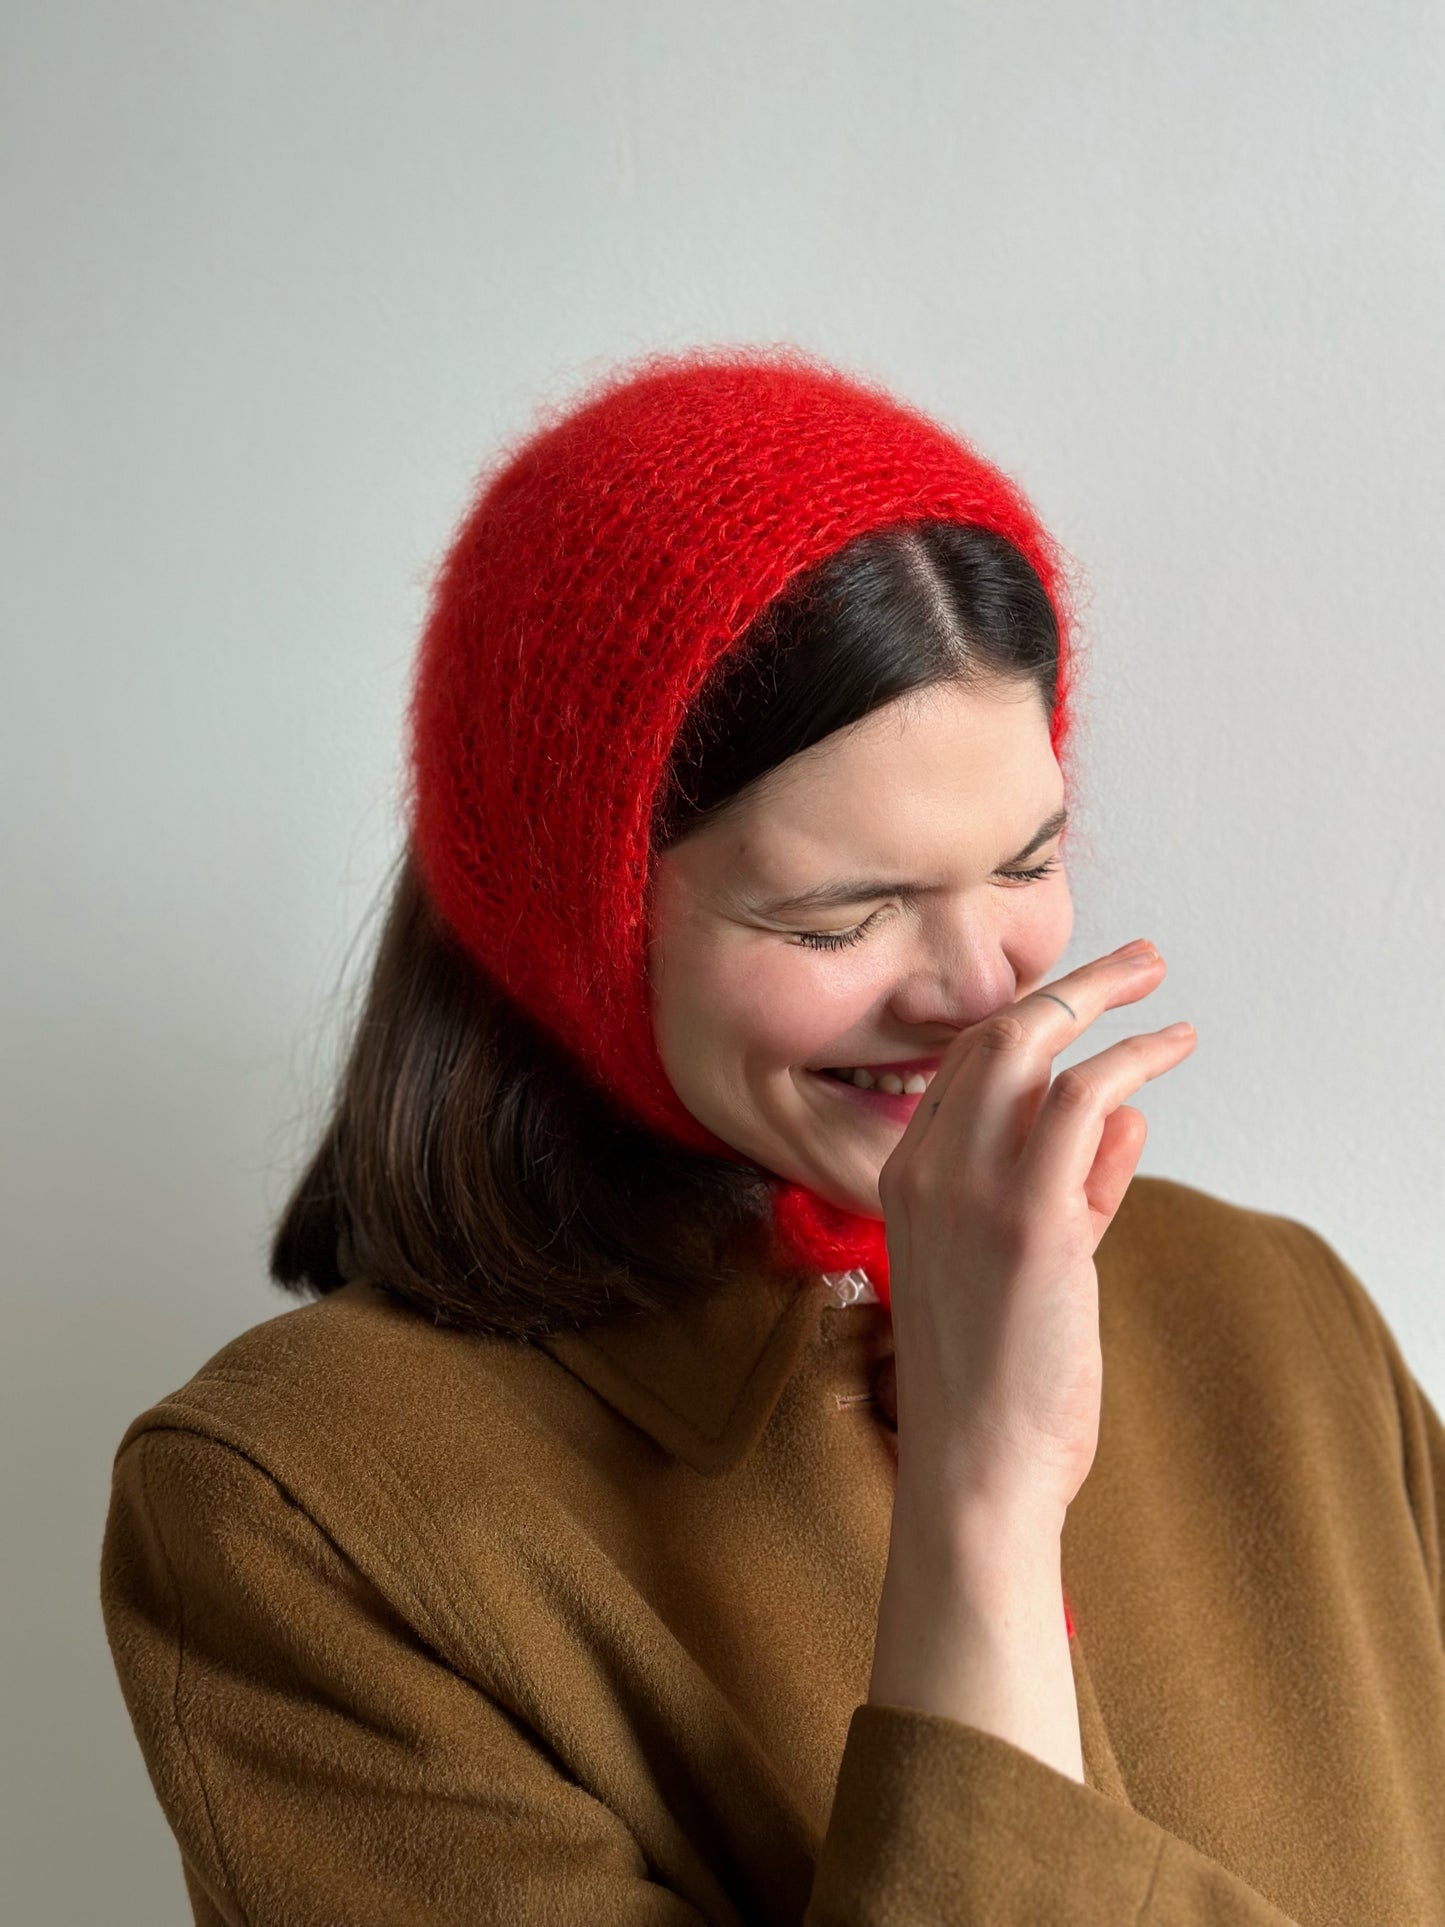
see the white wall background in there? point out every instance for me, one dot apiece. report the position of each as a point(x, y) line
point(278, 278)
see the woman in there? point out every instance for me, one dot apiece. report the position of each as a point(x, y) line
point(694, 1493)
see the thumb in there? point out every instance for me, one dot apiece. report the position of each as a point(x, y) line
point(1121, 1145)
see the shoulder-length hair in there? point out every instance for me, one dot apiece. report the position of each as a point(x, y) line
point(467, 1168)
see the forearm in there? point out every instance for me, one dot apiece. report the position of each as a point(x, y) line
point(971, 1626)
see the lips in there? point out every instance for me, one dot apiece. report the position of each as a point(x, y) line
point(904, 1068)
point(900, 1105)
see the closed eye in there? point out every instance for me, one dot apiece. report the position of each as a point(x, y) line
point(840, 939)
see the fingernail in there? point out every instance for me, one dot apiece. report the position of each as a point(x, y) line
point(1132, 949)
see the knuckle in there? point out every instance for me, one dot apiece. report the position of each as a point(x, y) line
point(926, 1190)
point(1001, 1032)
point(1074, 1089)
point(906, 1183)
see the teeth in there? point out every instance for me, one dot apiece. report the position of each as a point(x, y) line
point(913, 1085)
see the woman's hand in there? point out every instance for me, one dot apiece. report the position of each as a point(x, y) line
point(995, 1199)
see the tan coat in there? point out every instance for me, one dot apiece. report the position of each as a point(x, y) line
point(420, 1630)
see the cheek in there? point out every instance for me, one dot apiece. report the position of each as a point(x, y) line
point(776, 1004)
point(788, 1004)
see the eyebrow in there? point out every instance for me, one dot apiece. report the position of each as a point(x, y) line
point(861, 889)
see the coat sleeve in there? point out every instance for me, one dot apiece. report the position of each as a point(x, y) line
point(1423, 1442)
point(1376, 1365)
point(320, 1765)
point(938, 1824)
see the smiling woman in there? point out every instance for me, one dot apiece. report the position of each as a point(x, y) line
point(607, 1540)
point(891, 711)
point(712, 575)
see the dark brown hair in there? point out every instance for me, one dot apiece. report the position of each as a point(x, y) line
point(468, 1168)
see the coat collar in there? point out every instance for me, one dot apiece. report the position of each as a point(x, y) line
point(700, 1380)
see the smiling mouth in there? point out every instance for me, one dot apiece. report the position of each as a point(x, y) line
point(875, 1097)
point(912, 1081)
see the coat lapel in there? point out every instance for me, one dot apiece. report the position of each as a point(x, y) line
point(701, 1380)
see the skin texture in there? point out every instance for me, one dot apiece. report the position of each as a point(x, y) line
point(941, 787)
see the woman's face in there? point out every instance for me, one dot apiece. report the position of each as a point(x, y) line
point(933, 803)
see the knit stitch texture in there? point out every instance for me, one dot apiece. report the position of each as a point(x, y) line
point(606, 562)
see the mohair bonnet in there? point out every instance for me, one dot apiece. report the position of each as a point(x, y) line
point(605, 564)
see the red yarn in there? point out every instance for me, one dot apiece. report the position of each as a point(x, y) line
point(604, 566)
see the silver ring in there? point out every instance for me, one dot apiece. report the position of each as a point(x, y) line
point(933, 1108)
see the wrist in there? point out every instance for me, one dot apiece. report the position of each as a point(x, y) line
point(971, 1625)
point(971, 1520)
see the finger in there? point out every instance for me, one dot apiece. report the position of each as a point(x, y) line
point(1067, 1135)
point(1121, 1145)
point(986, 1093)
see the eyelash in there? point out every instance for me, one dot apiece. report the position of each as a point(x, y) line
point(838, 940)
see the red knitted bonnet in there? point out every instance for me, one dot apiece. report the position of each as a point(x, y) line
point(604, 566)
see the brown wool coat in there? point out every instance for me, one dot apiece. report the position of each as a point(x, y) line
point(421, 1630)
